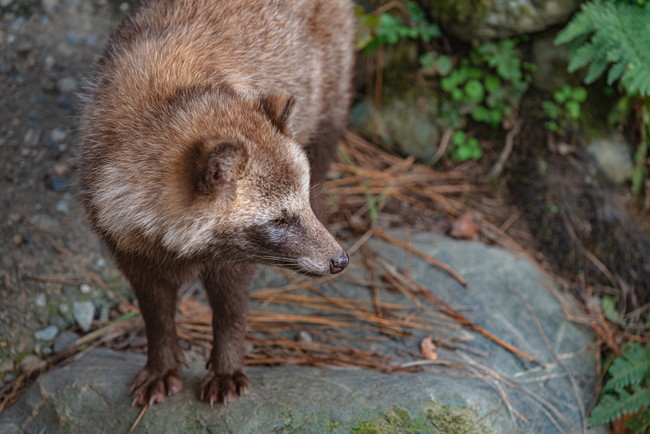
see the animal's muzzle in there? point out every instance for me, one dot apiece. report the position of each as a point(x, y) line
point(339, 263)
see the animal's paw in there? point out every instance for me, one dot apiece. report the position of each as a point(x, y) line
point(223, 388)
point(150, 387)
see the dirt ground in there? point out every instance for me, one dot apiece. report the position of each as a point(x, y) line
point(47, 252)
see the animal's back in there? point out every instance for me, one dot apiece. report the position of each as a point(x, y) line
point(299, 47)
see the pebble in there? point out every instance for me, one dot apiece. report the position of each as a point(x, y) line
point(66, 85)
point(303, 336)
point(64, 341)
point(17, 23)
point(31, 137)
point(45, 222)
point(64, 309)
point(85, 288)
point(17, 240)
point(40, 300)
point(83, 313)
point(58, 135)
point(50, 61)
point(50, 4)
point(66, 101)
point(100, 263)
point(614, 157)
point(7, 365)
point(13, 218)
point(47, 334)
point(63, 207)
point(5, 3)
point(30, 362)
point(62, 169)
point(56, 183)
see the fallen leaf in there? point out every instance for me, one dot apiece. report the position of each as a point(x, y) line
point(464, 227)
point(428, 348)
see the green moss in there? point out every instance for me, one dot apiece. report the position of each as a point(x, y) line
point(459, 12)
point(455, 420)
point(436, 418)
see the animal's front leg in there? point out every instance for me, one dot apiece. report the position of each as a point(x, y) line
point(156, 294)
point(227, 288)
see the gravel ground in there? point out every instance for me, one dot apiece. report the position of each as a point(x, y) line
point(47, 251)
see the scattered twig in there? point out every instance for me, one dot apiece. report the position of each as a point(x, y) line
point(507, 150)
point(137, 420)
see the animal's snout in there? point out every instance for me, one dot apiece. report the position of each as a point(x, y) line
point(339, 263)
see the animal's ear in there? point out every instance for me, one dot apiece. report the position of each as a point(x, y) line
point(279, 108)
point(225, 164)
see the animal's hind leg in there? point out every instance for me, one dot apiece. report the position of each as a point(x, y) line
point(321, 153)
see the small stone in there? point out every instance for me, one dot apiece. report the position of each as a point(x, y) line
point(17, 23)
point(6, 366)
point(40, 300)
point(62, 169)
point(303, 336)
point(66, 101)
point(47, 334)
point(31, 137)
point(85, 288)
point(23, 47)
point(13, 218)
point(67, 85)
point(5, 3)
point(100, 263)
point(30, 362)
point(65, 341)
point(50, 61)
point(50, 4)
point(56, 183)
point(58, 135)
point(614, 157)
point(45, 222)
point(64, 309)
point(17, 240)
point(63, 207)
point(83, 313)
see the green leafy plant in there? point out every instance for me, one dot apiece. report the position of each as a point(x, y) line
point(485, 86)
point(377, 29)
point(627, 390)
point(465, 148)
point(613, 36)
point(565, 108)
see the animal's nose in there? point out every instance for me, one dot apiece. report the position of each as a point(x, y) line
point(338, 264)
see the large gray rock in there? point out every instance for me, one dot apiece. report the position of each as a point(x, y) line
point(479, 389)
point(488, 19)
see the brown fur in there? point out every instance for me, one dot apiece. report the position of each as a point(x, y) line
point(198, 132)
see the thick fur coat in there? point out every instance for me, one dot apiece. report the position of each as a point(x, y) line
point(207, 132)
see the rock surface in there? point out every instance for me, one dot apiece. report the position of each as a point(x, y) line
point(478, 387)
point(490, 19)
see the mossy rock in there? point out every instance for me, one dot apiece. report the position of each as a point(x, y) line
point(488, 19)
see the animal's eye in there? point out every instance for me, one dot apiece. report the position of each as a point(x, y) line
point(279, 222)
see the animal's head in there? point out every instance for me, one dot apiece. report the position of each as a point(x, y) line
point(251, 182)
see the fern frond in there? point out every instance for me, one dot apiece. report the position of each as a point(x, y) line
point(640, 423)
point(615, 35)
point(615, 406)
point(630, 369)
